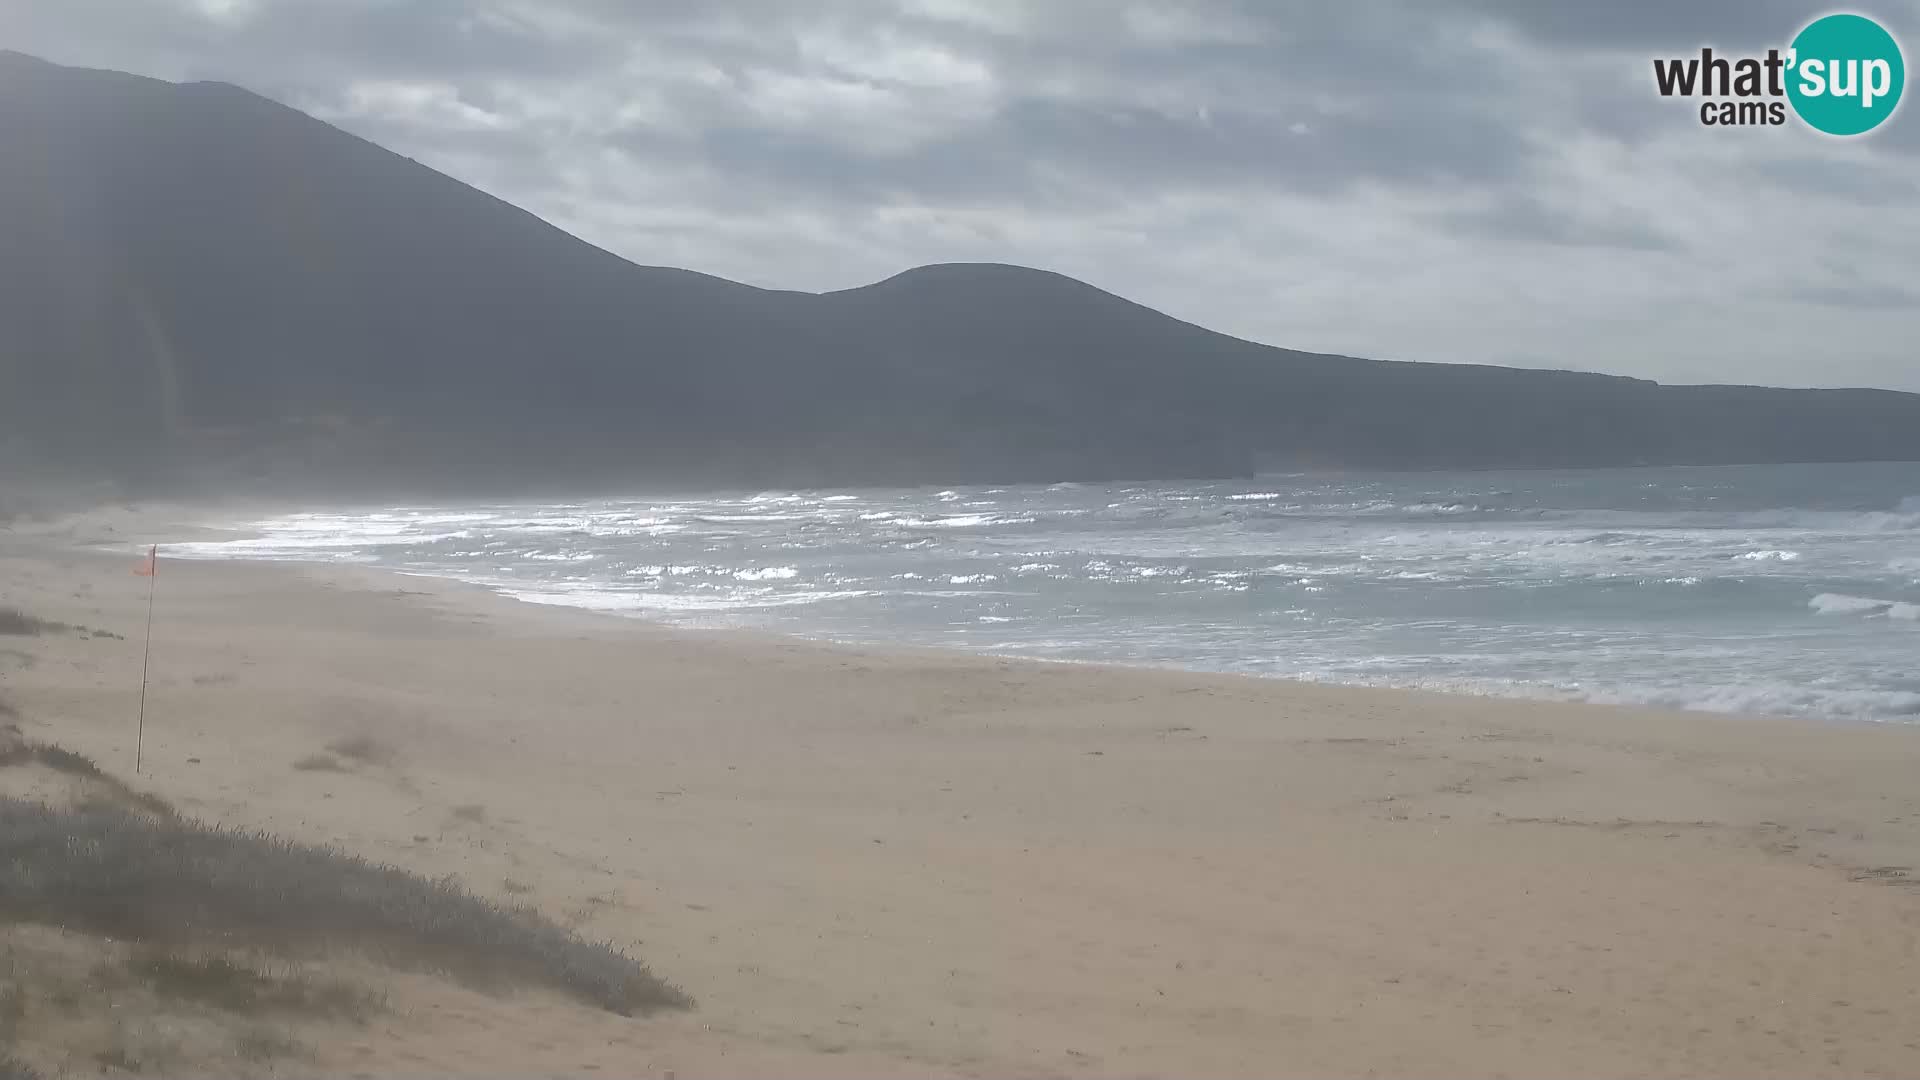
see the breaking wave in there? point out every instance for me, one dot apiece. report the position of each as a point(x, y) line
point(1842, 604)
point(1779, 589)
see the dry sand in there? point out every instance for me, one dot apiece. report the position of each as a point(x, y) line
point(888, 863)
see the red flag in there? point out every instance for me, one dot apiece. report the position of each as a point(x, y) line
point(148, 564)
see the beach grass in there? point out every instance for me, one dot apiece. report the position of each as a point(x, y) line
point(170, 881)
point(18, 623)
point(231, 985)
point(101, 789)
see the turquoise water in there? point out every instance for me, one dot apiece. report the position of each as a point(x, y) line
point(1776, 589)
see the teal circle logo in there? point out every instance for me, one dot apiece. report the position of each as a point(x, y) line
point(1845, 74)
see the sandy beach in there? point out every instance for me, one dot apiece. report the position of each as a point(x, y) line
point(866, 862)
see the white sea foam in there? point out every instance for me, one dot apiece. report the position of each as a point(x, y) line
point(1431, 580)
point(1823, 521)
point(634, 601)
point(767, 573)
point(402, 517)
point(543, 525)
point(1754, 698)
point(1842, 604)
point(963, 521)
point(1762, 699)
point(614, 532)
point(317, 545)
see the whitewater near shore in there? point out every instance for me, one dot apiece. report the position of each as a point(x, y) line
point(876, 862)
point(1787, 590)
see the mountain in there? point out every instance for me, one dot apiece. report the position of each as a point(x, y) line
point(198, 282)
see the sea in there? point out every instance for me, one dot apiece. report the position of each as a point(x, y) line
point(1785, 589)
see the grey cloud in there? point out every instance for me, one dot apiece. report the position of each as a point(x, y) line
point(1664, 24)
point(1307, 116)
point(1523, 218)
point(1113, 151)
point(1838, 282)
point(1863, 295)
point(1864, 184)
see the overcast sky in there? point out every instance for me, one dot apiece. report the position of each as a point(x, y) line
point(1451, 180)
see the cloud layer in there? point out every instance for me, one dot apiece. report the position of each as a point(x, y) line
point(1462, 180)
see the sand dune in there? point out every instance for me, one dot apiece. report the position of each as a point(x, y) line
point(868, 862)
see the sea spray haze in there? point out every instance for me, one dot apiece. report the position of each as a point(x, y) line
point(1768, 589)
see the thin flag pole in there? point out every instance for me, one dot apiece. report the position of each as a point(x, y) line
point(146, 655)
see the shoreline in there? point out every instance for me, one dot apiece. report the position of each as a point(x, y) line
point(188, 523)
point(1517, 599)
point(928, 862)
point(501, 593)
point(505, 592)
